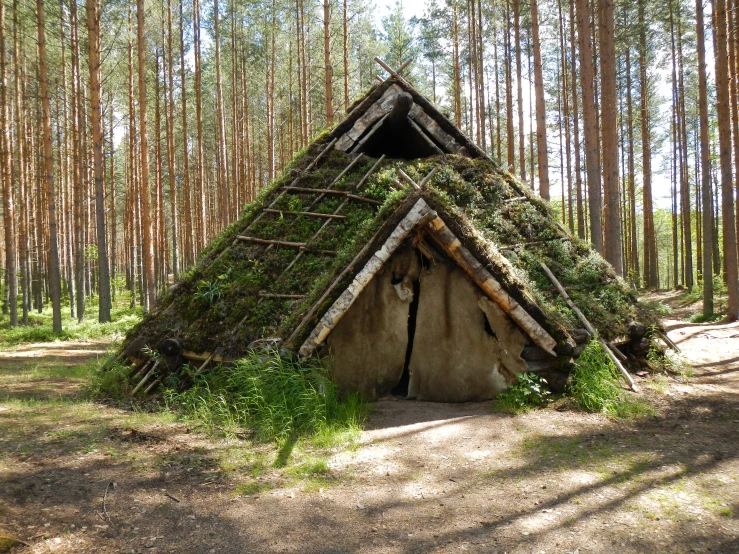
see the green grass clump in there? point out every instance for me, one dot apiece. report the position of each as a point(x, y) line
point(277, 398)
point(110, 382)
point(529, 392)
point(595, 386)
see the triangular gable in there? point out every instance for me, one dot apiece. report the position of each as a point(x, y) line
point(424, 132)
point(419, 216)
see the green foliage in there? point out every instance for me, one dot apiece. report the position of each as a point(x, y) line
point(275, 397)
point(39, 328)
point(210, 291)
point(529, 392)
point(595, 386)
point(110, 382)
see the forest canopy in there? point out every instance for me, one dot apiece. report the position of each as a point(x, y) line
point(133, 133)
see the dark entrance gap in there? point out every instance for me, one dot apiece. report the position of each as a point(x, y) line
point(401, 389)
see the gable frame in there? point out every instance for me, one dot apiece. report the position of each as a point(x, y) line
point(421, 215)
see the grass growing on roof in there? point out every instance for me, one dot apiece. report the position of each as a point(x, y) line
point(596, 386)
point(275, 397)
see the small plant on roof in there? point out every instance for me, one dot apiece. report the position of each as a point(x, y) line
point(210, 291)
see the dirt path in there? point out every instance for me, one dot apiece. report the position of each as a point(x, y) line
point(424, 478)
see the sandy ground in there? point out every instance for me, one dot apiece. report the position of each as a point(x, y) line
point(424, 477)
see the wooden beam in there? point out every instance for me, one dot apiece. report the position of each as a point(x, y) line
point(270, 241)
point(426, 179)
point(338, 178)
point(308, 214)
point(369, 135)
point(425, 137)
point(275, 295)
point(408, 179)
point(482, 277)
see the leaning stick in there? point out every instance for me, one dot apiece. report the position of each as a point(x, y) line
point(607, 346)
point(145, 379)
point(667, 340)
point(205, 363)
point(408, 179)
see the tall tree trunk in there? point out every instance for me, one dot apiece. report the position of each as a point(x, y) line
point(200, 192)
point(188, 223)
point(21, 158)
point(510, 140)
point(345, 41)
point(633, 240)
point(724, 136)
point(609, 120)
point(145, 190)
point(223, 185)
point(519, 96)
point(576, 128)
point(541, 117)
point(11, 278)
point(78, 172)
point(169, 107)
point(590, 123)
point(705, 150)
point(55, 283)
point(328, 68)
point(93, 49)
point(457, 72)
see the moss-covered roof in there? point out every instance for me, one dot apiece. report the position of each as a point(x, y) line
point(217, 305)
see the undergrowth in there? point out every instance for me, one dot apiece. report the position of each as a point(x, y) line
point(39, 328)
point(276, 398)
point(595, 386)
point(529, 392)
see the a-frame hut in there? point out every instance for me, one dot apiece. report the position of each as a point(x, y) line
point(399, 252)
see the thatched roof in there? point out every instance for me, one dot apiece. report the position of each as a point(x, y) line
point(277, 269)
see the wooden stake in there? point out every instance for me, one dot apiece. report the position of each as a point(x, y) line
point(205, 363)
point(407, 179)
point(145, 379)
point(606, 346)
point(667, 340)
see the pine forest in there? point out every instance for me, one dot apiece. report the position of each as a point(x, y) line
point(132, 133)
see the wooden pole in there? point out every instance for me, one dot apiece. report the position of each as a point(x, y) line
point(608, 347)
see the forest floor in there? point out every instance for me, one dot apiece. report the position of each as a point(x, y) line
point(78, 476)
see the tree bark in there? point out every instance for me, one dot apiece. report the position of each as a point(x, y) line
point(93, 49)
point(590, 122)
point(55, 285)
point(724, 135)
point(328, 68)
point(11, 278)
point(145, 189)
point(541, 118)
point(609, 135)
point(519, 88)
point(705, 156)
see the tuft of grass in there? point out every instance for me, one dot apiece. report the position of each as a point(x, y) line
point(595, 386)
point(110, 382)
point(279, 399)
point(529, 392)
